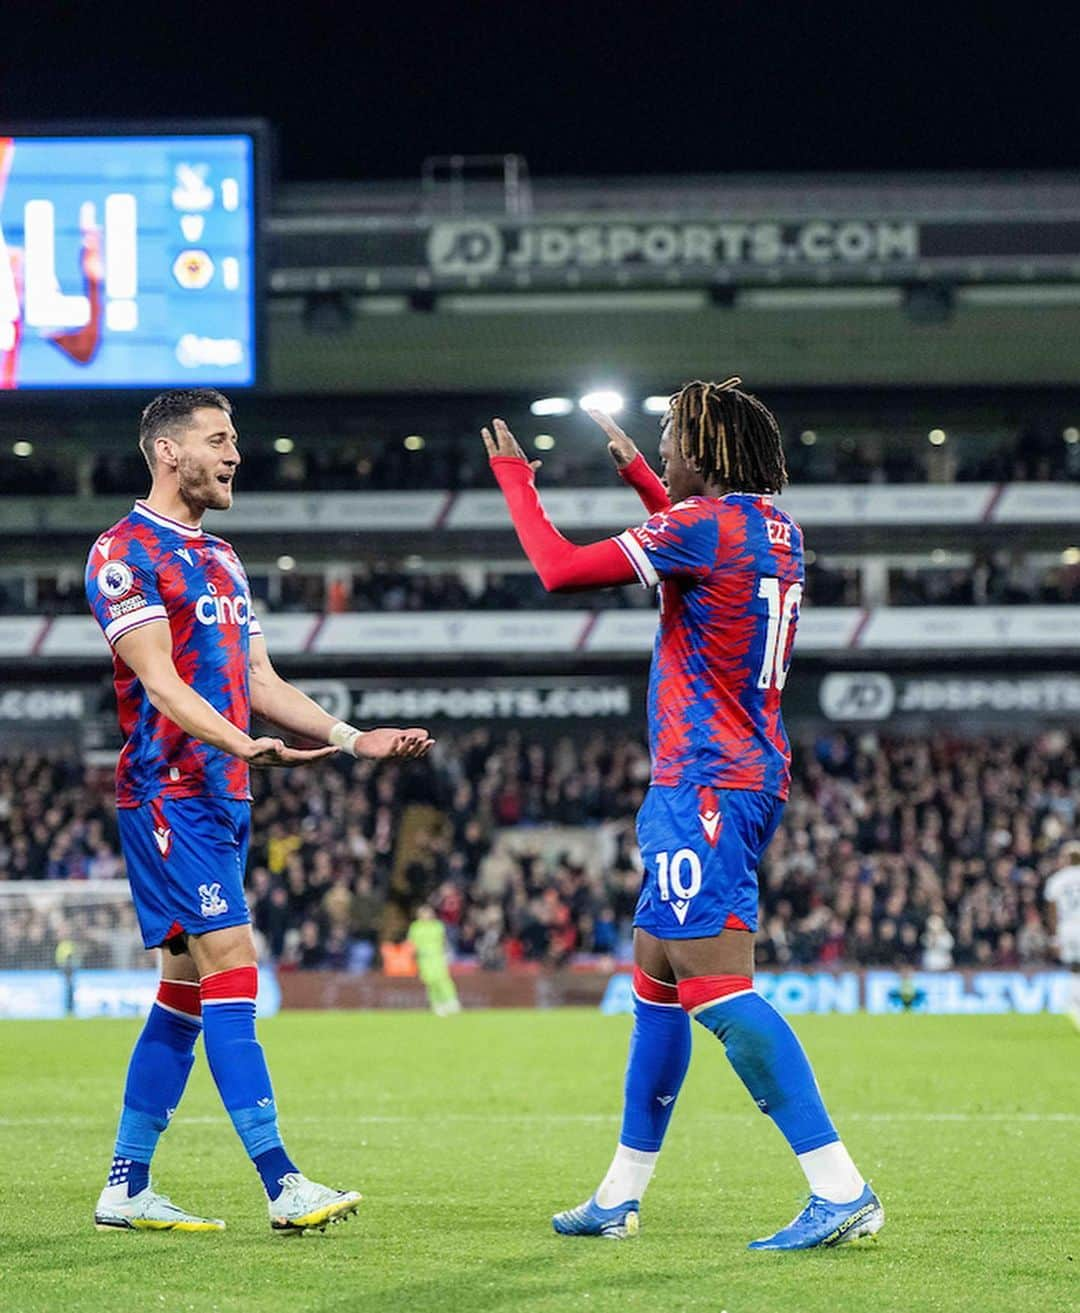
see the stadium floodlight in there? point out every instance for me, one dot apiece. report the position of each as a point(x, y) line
point(283, 445)
point(1071, 435)
point(808, 437)
point(22, 448)
point(414, 442)
point(607, 401)
point(286, 562)
point(543, 442)
point(656, 405)
point(1071, 556)
point(937, 437)
point(552, 406)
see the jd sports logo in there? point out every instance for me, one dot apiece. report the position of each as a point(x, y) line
point(465, 248)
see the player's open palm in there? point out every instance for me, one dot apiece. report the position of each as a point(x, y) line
point(499, 441)
point(393, 743)
point(621, 446)
point(273, 752)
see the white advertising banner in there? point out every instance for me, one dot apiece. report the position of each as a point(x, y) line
point(74, 636)
point(568, 508)
point(998, 628)
point(287, 635)
point(446, 632)
point(919, 503)
point(1039, 503)
point(263, 512)
point(18, 634)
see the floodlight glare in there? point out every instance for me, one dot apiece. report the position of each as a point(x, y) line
point(656, 405)
point(552, 406)
point(543, 442)
point(604, 400)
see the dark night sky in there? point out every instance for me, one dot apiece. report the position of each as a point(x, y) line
point(367, 91)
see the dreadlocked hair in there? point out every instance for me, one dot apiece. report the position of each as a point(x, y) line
point(729, 436)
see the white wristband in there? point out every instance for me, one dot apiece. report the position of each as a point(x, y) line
point(344, 736)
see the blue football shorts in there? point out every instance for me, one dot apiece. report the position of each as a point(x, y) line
point(700, 848)
point(185, 862)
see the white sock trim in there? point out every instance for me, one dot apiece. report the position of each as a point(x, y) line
point(831, 1173)
point(628, 1176)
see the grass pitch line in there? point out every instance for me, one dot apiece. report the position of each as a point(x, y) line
point(478, 1118)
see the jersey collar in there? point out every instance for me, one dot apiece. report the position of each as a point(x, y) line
point(141, 508)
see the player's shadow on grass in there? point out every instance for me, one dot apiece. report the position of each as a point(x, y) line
point(572, 1267)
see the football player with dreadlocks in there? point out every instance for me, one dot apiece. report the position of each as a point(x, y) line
point(729, 564)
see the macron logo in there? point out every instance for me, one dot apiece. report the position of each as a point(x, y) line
point(680, 909)
point(710, 823)
point(163, 839)
point(183, 551)
point(105, 546)
point(664, 1099)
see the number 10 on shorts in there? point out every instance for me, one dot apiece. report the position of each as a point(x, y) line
point(678, 875)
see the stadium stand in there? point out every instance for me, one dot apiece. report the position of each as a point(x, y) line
point(894, 850)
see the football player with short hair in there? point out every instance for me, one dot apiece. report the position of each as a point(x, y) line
point(189, 666)
point(729, 564)
point(1062, 896)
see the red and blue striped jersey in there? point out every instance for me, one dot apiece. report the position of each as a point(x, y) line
point(148, 567)
point(730, 571)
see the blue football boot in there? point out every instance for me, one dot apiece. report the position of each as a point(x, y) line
point(617, 1223)
point(822, 1224)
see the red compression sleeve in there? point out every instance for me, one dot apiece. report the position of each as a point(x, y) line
point(641, 476)
point(562, 567)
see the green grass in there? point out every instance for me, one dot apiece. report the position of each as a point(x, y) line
point(465, 1134)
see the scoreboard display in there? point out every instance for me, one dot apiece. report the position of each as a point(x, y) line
point(128, 261)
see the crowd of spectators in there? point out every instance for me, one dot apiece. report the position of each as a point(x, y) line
point(999, 579)
point(379, 452)
point(921, 851)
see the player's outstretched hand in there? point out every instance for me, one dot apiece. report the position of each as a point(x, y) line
point(273, 752)
point(621, 446)
point(502, 442)
point(396, 743)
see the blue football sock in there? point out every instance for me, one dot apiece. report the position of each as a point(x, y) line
point(238, 1066)
point(770, 1062)
point(659, 1057)
point(157, 1073)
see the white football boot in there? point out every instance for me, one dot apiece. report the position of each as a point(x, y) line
point(305, 1205)
point(146, 1211)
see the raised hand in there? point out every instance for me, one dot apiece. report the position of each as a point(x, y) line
point(383, 744)
point(273, 752)
point(621, 446)
point(503, 443)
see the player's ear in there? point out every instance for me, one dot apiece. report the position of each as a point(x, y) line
point(166, 453)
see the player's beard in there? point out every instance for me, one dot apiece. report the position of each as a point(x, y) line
point(200, 489)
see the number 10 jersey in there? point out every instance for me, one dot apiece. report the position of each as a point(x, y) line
point(730, 571)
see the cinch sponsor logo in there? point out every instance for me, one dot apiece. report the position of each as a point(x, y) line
point(215, 609)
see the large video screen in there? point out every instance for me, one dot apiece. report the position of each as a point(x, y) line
point(128, 261)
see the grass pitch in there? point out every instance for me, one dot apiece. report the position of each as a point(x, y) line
point(465, 1134)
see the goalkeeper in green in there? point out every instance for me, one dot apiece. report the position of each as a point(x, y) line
point(427, 934)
